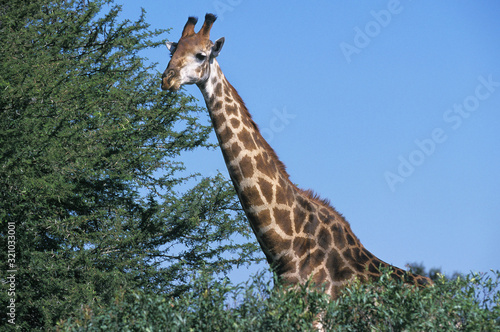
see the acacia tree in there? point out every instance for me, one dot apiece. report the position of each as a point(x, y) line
point(89, 166)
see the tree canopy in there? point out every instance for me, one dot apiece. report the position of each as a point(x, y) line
point(90, 166)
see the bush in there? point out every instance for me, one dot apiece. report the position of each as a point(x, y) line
point(470, 303)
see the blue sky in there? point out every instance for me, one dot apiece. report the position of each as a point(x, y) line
point(391, 109)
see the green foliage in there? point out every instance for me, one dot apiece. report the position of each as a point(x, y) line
point(204, 308)
point(89, 165)
point(468, 303)
point(471, 303)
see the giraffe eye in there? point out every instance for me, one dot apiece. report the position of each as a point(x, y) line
point(201, 56)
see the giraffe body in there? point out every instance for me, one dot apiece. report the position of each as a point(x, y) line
point(301, 235)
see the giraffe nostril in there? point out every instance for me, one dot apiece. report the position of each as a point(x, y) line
point(170, 73)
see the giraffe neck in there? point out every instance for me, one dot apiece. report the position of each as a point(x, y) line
point(300, 234)
point(259, 177)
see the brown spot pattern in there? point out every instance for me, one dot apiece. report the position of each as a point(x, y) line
point(338, 271)
point(251, 197)
point(338, 236)
point(311, 261)
point(299, 219)
point(218, 90)
point(245, 137)
point(266, 189)
point(246, 167)
point(282, 218)
point(235, 123)
point(301, 245)
point(271, 238)
point(312, 224)
point(232, 110)
point(285, 265)
point(324, 238)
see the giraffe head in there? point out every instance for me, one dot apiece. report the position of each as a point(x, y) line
point(191, 55)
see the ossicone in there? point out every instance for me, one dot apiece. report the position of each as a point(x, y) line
point(205, 29)
point(189, 27)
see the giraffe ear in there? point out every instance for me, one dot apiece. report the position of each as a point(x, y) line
point(171, 46)
point(217, 47)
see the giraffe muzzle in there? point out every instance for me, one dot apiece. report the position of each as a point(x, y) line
point(168, 81)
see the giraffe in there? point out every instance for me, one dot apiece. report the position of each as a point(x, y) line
point(301, 235)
